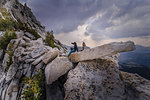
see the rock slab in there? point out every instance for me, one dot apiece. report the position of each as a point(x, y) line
point(102, 51)
point(57, 68)
point(51, 55)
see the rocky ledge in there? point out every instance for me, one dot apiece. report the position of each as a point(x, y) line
point(32, 70)
point(101, 52)
point(96, 75)
point(92, 74)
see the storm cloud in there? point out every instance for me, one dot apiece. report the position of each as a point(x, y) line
point(104, 19)
point(64, 15)
point(123, 19)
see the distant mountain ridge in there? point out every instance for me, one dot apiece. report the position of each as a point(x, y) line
point(137, 61)
point(140, 56)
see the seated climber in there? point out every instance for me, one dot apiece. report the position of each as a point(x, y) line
point(83, 46)
point(71, 51)
point(75, 46)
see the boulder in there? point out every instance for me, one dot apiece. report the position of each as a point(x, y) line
point(94, 80)
point(19, 34)
point(137, 87)
point(18, 54)
point(38, 60)
point(26, 39)
point(37, 43)
point(102, 51)
point(101, 79)
point(57, 68)
point(38, 52)
point(22, 43)
point(40, 65)
point(51, 55)
point(29, 35)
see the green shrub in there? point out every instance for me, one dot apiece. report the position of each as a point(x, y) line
point(49, 40)
point(7, 24)
point(10, 24)
point(6, 38)
point(10, 53)
point(34, 89)
point(5, 13)
point(33, 32)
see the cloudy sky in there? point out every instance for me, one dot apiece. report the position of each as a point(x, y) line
point(95, 22)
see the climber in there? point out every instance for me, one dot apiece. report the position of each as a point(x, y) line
point(75, 46)
point(71, 51)
point(83, 46)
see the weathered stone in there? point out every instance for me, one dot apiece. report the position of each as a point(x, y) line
point(102, 51)
point(1, 54)
point(26, 39)
point(37, 43)
point(29, 71)
point(38, 60)
point(30, 49)
point(19, 34)
point(29, 35)
point(5, 60)
point(18, 54)
point(49, 48)
point(94, 80)
point(25, 68)
point(22, 43)
point(29, 60)
point(4, 93)
point(40, 65)
point(6, 56)
point(12, 91)
point(137, 88)
point(2, 77)
point(11, 71)
point(51, 55)
point(16, 43)
point(57, 68)
point(38, 52)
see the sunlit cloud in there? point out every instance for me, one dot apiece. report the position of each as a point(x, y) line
point(95, 22)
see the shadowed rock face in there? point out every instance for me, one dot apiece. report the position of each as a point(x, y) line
point(57, 68)
point(102, 51)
